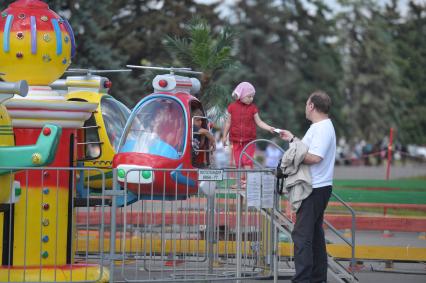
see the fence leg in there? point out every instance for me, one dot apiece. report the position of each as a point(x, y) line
point(210, 230)
point(265, 248)
point(113, 226)
point(238, 238)
point(275, 236)
point(275, 254)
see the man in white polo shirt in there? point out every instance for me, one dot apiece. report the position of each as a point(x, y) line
point(310, 254)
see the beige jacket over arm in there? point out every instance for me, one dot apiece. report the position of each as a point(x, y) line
point(298, 183)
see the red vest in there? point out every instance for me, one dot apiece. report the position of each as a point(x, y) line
point(243, 126)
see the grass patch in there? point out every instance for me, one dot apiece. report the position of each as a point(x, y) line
point(402, 191)
point(403, 184)
point(400, 197)
point(376, 211)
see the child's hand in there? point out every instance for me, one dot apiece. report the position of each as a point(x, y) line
point(224, 140)
point(213, 146)
point(271, 130)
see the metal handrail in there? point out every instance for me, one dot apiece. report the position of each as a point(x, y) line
point(353, 227)
point(353, 214)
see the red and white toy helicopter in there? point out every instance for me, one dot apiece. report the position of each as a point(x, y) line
point(158, 135)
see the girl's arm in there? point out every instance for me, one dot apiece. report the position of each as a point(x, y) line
point(206, 133)
point(226, 129)
point(262, 124)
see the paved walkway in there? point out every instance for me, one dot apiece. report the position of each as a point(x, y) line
point(379, 172)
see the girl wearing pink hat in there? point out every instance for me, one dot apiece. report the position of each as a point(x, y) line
point(241, 124)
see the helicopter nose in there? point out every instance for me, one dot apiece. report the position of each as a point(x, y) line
point(135, 174)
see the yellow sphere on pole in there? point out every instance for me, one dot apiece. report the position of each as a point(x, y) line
point(36, 44)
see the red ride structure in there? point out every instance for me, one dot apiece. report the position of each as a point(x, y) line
point(155, 159)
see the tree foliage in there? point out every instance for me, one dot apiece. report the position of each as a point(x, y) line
point(202, 50)
point(375, 95)
point(368, 57)
point(287, 52)
point(410, 37)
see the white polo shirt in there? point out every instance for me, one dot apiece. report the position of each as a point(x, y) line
point(321, 141)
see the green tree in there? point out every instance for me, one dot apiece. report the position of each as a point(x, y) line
point(110, 34)
point(94, 30)
point(287, 52)
point(410, 36)
point(265, 50)
point(317, 58)
point(373, 85)
point(204, 50)
point(140, 28)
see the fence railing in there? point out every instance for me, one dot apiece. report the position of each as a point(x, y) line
point(41, 241)
point(185, 230)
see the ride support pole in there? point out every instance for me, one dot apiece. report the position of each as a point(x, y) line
point(389, 153)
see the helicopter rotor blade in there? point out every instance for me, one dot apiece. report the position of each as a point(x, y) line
point(90, 71)
point(171, 69)
point(110, 71)
point(77, 71)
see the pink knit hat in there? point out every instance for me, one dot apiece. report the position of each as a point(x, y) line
point(243, 89)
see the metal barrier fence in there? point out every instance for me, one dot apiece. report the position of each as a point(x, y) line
point(41, 240)
point(204, 225)
point(195, 237)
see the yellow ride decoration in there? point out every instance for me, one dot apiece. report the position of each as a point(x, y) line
point(37, 39)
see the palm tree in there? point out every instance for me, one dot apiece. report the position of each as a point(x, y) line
point(203, 50)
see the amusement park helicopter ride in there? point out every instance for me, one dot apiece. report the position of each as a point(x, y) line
point(155, 154)
point(98, 138)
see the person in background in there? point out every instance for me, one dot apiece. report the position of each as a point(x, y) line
point(200, 135)
point(272, 155)
point(241, 122)
point(310, 254)
point(220, 155)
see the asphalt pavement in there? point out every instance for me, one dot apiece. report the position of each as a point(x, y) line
point(399, 171)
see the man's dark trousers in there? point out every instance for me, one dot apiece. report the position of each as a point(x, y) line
point(310, 255)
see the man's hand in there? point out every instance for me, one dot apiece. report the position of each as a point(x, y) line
point(286, 135)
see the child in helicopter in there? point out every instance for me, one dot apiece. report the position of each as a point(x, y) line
point(200, 135)
point(243, 117)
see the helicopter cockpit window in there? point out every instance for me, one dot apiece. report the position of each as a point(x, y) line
point(115, 116)
point(92, 143)
point(158, 129)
